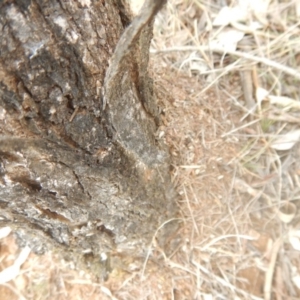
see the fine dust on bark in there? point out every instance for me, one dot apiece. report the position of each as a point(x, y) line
point(80, 167)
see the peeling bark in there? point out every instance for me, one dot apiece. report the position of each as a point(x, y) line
point(79, 163)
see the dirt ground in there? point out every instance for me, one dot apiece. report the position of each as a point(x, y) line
point(231, 121)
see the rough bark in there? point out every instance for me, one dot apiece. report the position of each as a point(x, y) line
point(79, 163)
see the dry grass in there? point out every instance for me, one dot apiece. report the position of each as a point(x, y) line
point(231, 120)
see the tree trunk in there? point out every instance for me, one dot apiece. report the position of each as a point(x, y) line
point(80, 166)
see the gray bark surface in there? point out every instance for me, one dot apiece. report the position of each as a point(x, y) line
point(79, 163)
